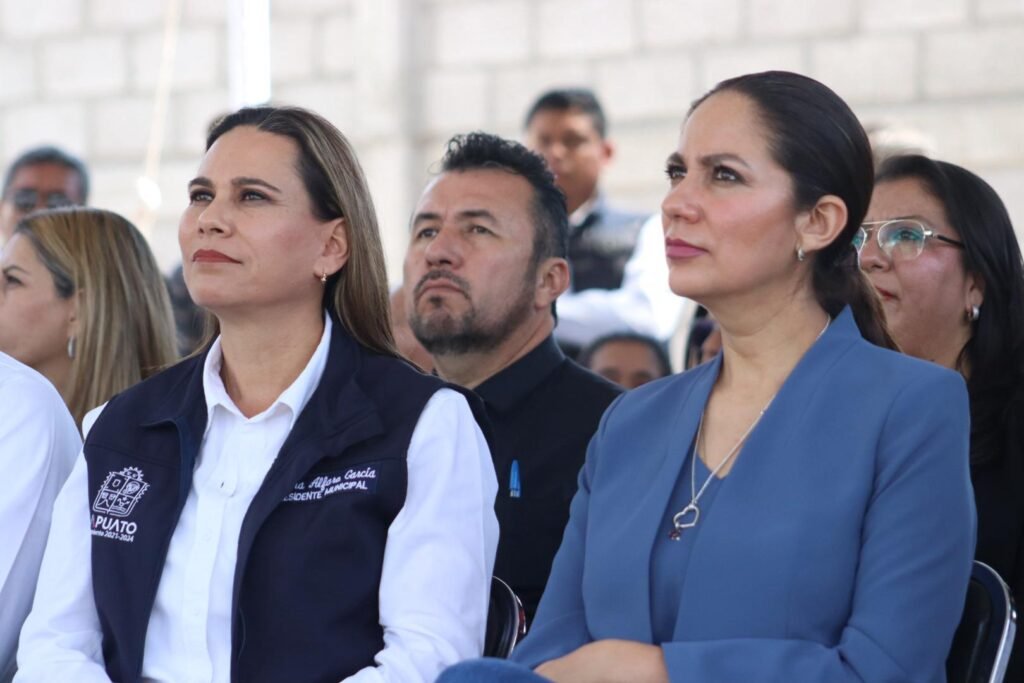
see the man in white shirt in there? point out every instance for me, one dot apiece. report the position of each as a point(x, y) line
point(38, 445)
point(619, 273)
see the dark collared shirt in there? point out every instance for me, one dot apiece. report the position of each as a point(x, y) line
point(543, 410)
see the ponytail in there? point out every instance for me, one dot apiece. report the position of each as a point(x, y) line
point(838, 282)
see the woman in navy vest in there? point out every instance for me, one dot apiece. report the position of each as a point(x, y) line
point(294, 503)
point(799, 508)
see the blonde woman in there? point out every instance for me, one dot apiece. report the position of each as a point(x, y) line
point(295, 503)
point(84, 305)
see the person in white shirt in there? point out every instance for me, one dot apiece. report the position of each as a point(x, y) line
point(619, 271)
point(643, 304)
point(38, 445)
point(296, 502)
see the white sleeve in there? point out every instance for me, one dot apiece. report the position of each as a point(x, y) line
point(62, 640)
point(644, 304)
point(436, 578)
point(38, 444)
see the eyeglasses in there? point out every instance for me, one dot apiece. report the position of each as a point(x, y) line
point(28, 199)
point(899, 238)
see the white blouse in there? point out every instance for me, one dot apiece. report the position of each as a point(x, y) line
point(38, 444)
point(437, 562)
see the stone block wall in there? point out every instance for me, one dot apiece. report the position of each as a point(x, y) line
point(401, 76)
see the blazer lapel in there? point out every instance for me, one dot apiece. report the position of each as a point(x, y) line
point(756, 497)
point(649, 515)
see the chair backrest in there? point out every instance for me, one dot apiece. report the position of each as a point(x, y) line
point(506, 620)
point(984, 637)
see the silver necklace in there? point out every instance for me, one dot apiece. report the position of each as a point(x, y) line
point(688, 517)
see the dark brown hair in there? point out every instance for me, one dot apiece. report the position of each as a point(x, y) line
point(820, 143)
point(993, 358)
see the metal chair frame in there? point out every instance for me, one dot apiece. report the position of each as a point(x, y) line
point(506, 620)
point(994, 645)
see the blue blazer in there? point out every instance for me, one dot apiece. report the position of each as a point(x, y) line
point(838, 548)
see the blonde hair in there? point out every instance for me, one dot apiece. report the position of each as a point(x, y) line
point(357, 295)
point(125, 324)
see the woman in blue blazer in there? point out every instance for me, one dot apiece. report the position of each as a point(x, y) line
point(799, 509)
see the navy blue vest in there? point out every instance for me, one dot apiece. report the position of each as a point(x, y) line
point(312, 542)
point(600, 247)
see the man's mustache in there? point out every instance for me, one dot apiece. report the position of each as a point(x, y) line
point(461, 284)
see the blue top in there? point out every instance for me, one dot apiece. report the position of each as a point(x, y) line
point(670, 558)
point(840, 553)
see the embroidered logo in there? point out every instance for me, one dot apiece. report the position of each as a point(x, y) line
point(117, 497)
point(120, 492)
point(352, 480)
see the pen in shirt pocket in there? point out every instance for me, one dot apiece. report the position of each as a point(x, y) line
point(514, 488)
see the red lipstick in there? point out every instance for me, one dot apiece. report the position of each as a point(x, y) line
point(885, 294)
point(212, 256)
point(681, 249)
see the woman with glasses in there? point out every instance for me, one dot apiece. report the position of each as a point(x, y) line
point(797, 509)
point(293, 503)
point(943, 256)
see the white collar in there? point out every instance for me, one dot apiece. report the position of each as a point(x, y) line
point(294, 398)
point(583, 211)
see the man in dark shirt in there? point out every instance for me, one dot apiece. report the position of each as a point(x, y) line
point(485, 264)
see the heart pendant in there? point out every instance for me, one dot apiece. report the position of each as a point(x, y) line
point(684, 519)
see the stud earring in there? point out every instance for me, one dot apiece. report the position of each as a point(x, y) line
point(974, 313)
point(800, 255)
point(323, 277)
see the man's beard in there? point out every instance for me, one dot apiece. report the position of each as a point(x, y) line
point(443, 334)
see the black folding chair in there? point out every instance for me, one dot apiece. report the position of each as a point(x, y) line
point(984, 638)
point(506, 620)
